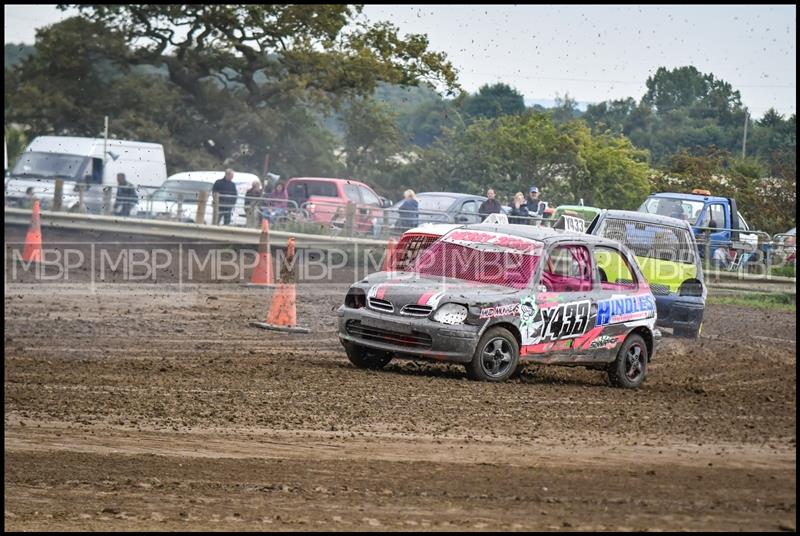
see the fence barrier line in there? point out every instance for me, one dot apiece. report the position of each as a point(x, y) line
point(240, 235)
point(174, 229)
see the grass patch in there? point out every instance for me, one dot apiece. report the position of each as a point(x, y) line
point(784, 271)
point(777, 302)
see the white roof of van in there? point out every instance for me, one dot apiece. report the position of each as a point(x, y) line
point(212, 176)
point(84, 146)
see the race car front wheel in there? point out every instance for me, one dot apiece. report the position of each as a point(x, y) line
point(629, 369)
point(366, 358)
point(496, 356)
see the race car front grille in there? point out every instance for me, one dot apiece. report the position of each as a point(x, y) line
point(416, 310)
point(659, 289)
point(370, 333)
point(381, 305)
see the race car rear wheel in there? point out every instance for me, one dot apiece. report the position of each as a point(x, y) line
point(366, 358)
point(630, 367)
point(496, 356)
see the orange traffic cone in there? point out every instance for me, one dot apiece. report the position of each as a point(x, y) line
point(262, 273)
point(33, 240)
point(282, 314)
point(388, 260)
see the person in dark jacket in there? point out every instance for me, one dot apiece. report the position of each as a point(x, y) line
point(227, 196)
point(519, 210)
point(535, 206)
point(491, 205)
point(408, 211)
point(126, 196)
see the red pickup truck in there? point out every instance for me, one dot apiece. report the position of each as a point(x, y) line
point(326, 199)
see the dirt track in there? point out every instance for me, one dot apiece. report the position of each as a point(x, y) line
point(148, 407)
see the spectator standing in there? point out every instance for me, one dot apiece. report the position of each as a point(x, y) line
point(720, 258)
point(535, 206)
point(277, 202)
point(126, 196)
point(491, 205)
point(227, 196)
point(519, 209)
point(30, 198)
point(408, 211)
point(254, 200)
point(338, 221)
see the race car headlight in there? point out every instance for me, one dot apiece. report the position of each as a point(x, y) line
point(450, 313)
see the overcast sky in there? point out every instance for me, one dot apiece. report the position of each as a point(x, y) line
point(594, 53)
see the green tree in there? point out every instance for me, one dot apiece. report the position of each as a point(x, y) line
point(566, 161)
point(566, 109)
point(371, 138)
point(240, 83)
point(493, 101)
point(428, 121)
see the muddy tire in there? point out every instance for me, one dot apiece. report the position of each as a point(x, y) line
point(496, 357)
point(366, 358)
point(630, 367)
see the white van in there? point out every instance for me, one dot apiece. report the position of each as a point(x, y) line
point(183, 189)
point(88, 160)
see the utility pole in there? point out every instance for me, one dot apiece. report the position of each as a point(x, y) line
point(105, 149)
point(744, 138)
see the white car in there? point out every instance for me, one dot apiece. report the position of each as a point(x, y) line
point(183, 189)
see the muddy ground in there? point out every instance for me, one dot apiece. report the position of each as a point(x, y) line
point(155, 406)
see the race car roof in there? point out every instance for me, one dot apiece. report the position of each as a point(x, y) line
point(645, 217)
point(543, 234)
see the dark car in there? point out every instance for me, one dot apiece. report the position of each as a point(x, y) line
point(666, 252)
point(441, 207)
point(494, 296)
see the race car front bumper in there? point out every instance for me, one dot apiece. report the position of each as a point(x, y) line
point(407, 337)
point(679, 311)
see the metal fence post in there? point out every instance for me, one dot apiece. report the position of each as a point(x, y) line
point(349, 217)
point(215, 208)
point(107, 200)
point(179, 210)
point(58, 195)
point(82, 198)
point(250, 211)
point(202, 199)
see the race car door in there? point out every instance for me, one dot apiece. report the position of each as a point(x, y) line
point(619, 303)
point(554, 322)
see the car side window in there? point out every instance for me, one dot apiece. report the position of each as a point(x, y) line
point(568, 269)
point(368, 197)
point(470, 207)
point(614, 270)
point(717, 220)
point(351, 191)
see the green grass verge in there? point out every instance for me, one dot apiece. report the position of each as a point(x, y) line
point(778, 302)
point(785, 271)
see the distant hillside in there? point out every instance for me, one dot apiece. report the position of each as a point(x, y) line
point(551, 103)
point(15, 53)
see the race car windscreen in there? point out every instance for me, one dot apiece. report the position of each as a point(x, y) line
point(651, 240)
point(481, 257)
